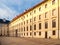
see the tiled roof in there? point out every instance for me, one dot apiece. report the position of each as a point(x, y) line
point(28, 10)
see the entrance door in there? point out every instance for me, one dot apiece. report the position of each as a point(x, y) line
point(16, 32)
point(45, 34)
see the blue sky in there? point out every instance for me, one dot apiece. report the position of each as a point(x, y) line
point(11, 8)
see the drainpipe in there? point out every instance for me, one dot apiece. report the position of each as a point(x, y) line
point(58, 19)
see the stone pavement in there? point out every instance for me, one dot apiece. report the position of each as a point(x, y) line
point(27, 41)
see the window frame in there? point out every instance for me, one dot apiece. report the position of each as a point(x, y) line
point(39, 26)
point(53, 23)
point(53, 32)
point(34, 26)
point(46, 25)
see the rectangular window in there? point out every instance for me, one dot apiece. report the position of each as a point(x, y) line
point(21, 29)
point(39, 33)
point(34, 11)
point(53, 2)
point(27, 34)
point(39, 17)
point(27, 28)
point(27, 15)
point(30, 27)
point(24, 28)
point(39, 25)
point(46, 25)
point(45, 5)
point(45, 14)
point(24, 34)
point(30, 33)
point(30, 20)
point(24, 22)
point(35, 27)
point(53, 12)
point(21, 23)
point(30, 13)
point(35, 33)
point(34, 18)
point(53, 23)
point(27, 21)
point(24, 17)
point(53, 33)
point(39, 8)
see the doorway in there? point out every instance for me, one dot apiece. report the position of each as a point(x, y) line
point(45, 34)
point(16, 33)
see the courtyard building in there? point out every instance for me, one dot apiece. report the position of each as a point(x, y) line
point(40, 21)
point(4, 27)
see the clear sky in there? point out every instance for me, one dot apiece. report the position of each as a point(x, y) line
point(11, 8)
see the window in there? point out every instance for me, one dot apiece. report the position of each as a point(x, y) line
point(24, 22)
point(45, 14)
point(39, 33)
point(34, 11)
point(21, 23)
point(53, 2)
point(34, 18)
point(39, 8)
point(30, 13)
point(24, 34)
point(27, 21)
point(27, 34)
point(46, 25)
point(24, 28)
point(45, 5)
point(53, 12)
point(35, 33)
point(53, 23)
point(30, 20)
point(39, 25)
point(27, 28)
point(39, 17)
point(21, 29)
point(35, 27)
point(53, 33)
point(23, 17)
point(30, 33)
point(27, 15)
point(30, 27)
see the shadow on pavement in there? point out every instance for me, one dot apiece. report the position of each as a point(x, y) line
point(0, 43)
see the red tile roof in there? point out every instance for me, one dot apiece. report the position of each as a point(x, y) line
point(28, 10)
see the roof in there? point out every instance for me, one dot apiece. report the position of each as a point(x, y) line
point(28, 10)
point(4, 22)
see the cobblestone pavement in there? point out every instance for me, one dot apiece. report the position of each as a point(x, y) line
point(27, 41)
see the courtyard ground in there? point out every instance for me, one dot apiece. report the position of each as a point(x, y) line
point(27, 41)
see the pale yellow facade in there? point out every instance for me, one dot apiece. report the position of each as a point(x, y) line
point(4, 28)
point(32, 23)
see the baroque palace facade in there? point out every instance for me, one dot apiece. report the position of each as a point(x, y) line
point(4, 27)
point(40, 21)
